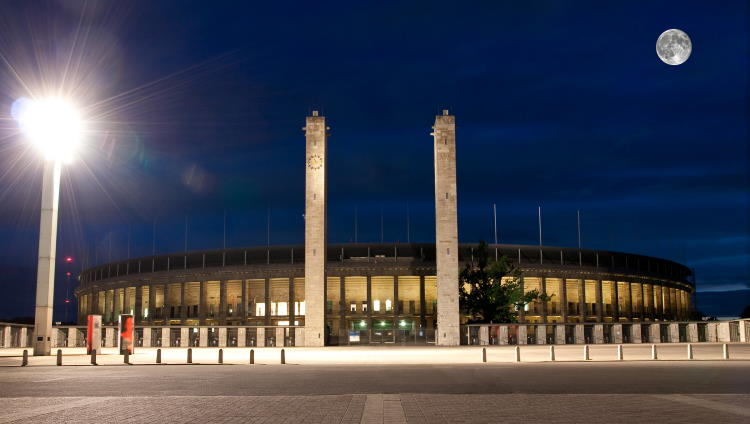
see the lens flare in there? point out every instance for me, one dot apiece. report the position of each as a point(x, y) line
point(53, 126)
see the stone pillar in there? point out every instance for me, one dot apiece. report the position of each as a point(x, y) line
point(279, 336)
point(635, 333)
point(674, 333)
point(484, 335)
point(316, 140)
point(203, 337)
point(598, 333)
point(712, 331)
point(222, 337)
point(146, 336)
point(617, 333)
point(260, 337)
point(116, 306)
point(183, 304)
point(580, 337)
point(563, 300)
point(522, 311)
point(165, 337)
point(299, 338)
point(110, 334)
point(267, 300)
point(560, 334)
point(6, 336)
point(151, 302)
point(545, 305)
point(72, 337)
point(446, 231)
point(23, 337)
point(184, 336)
point(522, 334)
point(502, 335)
point(692, 332)
point(599, 302)
point(223, 302)
point(202, 305)
point(582, 299)
point(654, 333)
point(615, 301)
point(422, 303)
point(138, 305)
point(722, 333)
point(290, 309)
point(744, 330)
point(541, 334)
point(243, 308)
point(241, 334)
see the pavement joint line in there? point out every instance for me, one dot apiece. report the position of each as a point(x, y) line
point(693, 400)
point(47, 409)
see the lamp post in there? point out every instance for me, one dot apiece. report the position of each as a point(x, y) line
point(54, 128)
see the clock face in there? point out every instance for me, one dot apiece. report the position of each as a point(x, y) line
point(314, 162)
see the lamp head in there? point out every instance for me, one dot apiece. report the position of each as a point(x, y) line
point(52, 125)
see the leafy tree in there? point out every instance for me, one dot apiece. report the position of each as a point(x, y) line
point(484, 295)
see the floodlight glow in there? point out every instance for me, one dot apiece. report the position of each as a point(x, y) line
point(53, 126)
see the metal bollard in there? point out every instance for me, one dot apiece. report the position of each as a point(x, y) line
point(190, 355)
point(252, 356)
point(619, 352)
point(653, 352)
point(126, 358)
point(59, 357)
point(725, 351)
point(93, 357)
point(221, 356)
point(484, 354)
point(158, 356)
point(283, 357)
point(586, 356)
point(518, 354)
point(552, 352)
point(690, 351)
point(25, 359)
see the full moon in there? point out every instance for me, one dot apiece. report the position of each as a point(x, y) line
point(673, 47)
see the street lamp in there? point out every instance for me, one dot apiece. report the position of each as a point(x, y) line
point(54, 127)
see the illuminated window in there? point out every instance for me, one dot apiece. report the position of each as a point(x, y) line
point(376, 305)
point(388, 305)
point(260, 309)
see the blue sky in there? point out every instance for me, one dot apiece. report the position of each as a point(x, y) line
point(563, 105)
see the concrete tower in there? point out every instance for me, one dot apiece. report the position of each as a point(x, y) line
point(315, 229)
point(446, 231)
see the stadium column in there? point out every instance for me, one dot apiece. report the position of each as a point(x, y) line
point(315, 228)
point(243, 307)
point(563, 300)
point(183, 305)
point(545, 305)
point(139, 305)
point(599, 301)
point(202, 302)
point(582, 299)
point(446, 231)
point(223, 302)
point(615, 301)
point(151, 302)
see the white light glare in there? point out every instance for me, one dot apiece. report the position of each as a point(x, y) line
point(53, 126)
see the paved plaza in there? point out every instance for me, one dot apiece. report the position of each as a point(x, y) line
point(303, 391)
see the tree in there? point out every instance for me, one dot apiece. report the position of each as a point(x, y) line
point(485, 296)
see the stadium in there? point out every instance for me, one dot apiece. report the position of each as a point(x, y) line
point(332, 294)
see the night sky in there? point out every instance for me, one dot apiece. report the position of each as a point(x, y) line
point(195, 112)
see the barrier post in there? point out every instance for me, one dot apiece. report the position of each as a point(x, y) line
point(725, 351)
point(126, 358)
point(252, 356)
point(653, 352)
point(59, 357)
point(93, 357)
point(283, 357)
point(690, 351)
point(221, 356)
point(190, 355)
point(25, 360)
point(484, 354)
point(552, 353)
point(586, 356)
point(518, 354)
point(619, 352)
point(158, 356)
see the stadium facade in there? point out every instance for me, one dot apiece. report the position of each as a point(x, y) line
point(323, 294)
